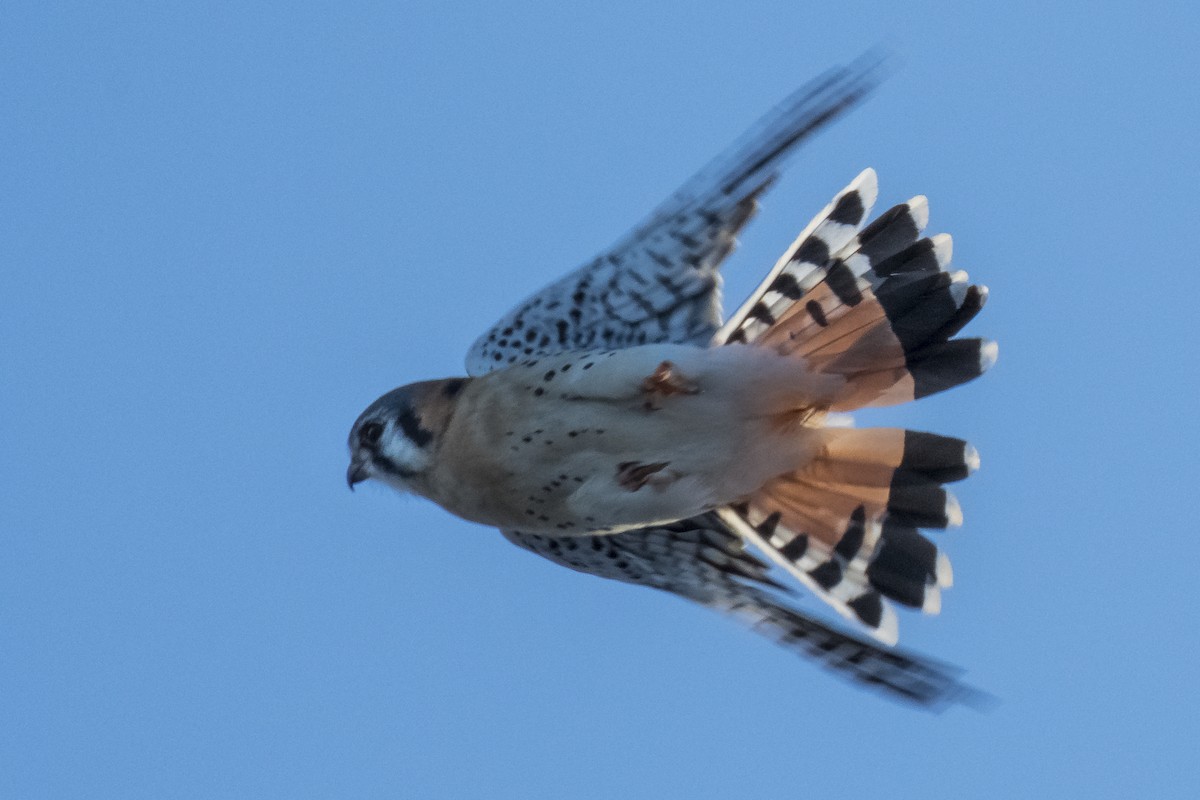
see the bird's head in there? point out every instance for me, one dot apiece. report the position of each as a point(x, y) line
point(395, 439)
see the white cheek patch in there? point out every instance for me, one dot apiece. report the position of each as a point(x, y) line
point(404, 453)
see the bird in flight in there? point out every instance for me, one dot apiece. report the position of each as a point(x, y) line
point(611, 423)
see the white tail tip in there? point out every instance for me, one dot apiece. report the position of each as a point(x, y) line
point(987, 355)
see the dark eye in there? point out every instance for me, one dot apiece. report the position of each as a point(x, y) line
point(370, 433)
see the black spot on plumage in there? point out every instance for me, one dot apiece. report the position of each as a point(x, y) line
point(827, 575)
point(829, 645)
point(945, 365)
point(530, 335)
point(918, 257)
point(842, 282)
point(868, 608)
point(538, 392)
point(561, 327)
point(852, 540)
point(920, 306)
point(526, 439)
point(816, 312)
point(795, 549)
point(904, 554)
point(812, 250)
point(972, 304)
point(411, 425)
point(549, 376)
point(932, 457)
point(898, 576)
point(497, 357)
point(766, 528)
point(894, 230)
point(786, 285)
point(849, 209)
point(919, 505)
point(588, 365)
point(760, 312)
point(564, 367)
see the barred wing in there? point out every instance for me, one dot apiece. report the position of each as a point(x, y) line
point(702, 560)
point(661, 282)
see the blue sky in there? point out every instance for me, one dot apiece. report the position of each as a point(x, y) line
point(224, 230)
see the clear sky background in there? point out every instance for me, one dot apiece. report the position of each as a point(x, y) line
point(224, 230)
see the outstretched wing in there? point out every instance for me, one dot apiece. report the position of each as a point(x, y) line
point(661, 282)
point(702, 560)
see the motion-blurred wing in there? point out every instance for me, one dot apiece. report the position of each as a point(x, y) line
point(661, 282)
point(702, 560)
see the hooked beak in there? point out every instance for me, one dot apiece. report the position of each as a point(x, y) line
point(357, 472)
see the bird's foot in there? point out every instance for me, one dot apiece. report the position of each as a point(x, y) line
point(633, 476)
point(664, 382)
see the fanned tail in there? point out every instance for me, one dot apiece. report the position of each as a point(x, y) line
point(876, 307)
point(846, 525)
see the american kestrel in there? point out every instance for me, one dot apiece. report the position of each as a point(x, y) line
point(612, 424)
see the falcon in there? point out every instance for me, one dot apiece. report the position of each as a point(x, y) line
point(612, 423)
